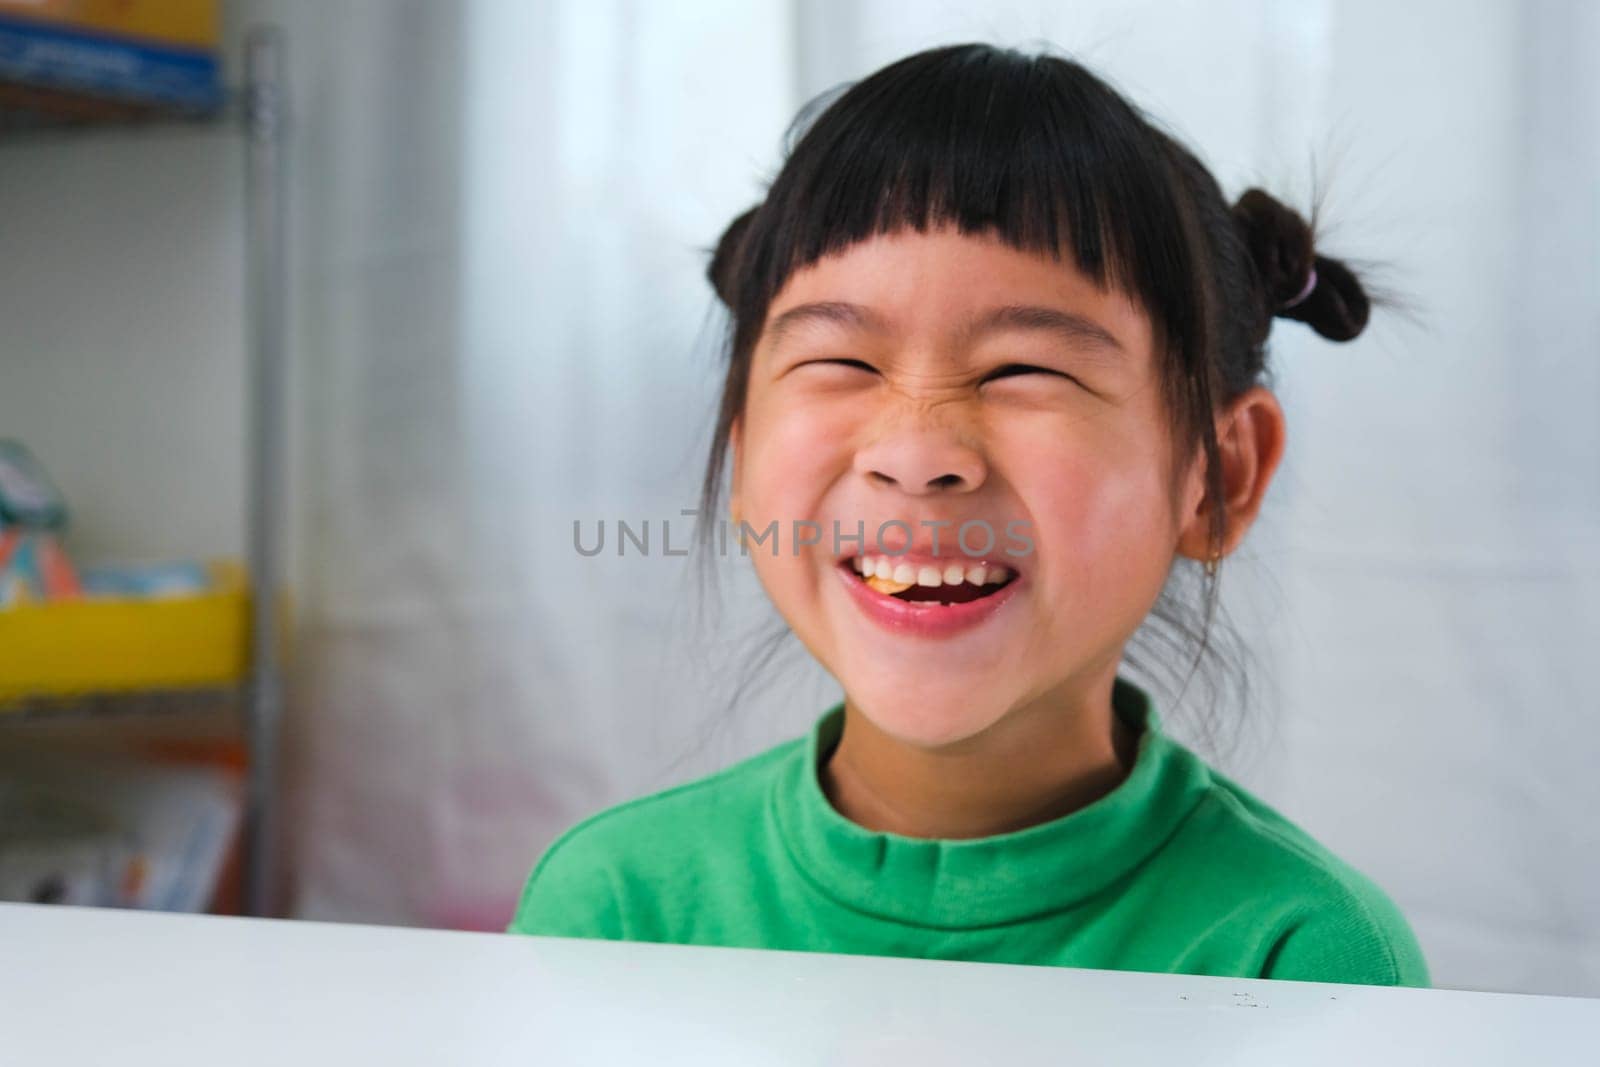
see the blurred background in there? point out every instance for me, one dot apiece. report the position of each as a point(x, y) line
point(494, 228)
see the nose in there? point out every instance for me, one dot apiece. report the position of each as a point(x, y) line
point(922, 463)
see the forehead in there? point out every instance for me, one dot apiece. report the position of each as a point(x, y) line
point(939, 282)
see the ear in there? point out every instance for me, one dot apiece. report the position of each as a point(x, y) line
point(736, 450)
point(1250, 442)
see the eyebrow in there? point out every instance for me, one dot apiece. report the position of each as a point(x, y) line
point(836, 312)
point(1070, 326)
point(1074, 328)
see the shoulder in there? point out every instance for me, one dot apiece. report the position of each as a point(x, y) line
point(581, 885)
point(1321, 919)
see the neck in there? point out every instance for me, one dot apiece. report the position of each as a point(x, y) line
point(1037, 763)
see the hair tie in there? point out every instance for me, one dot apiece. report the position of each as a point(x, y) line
point(1311, 283)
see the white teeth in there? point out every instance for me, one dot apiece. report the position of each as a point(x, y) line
point(885, 568)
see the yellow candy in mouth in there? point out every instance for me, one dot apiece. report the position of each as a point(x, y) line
point(888, 585)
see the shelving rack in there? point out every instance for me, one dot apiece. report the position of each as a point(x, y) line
point(258, 110)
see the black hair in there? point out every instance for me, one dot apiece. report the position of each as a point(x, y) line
point(1039, 151)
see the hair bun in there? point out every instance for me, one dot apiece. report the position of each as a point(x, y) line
point(724, 269)
point(1281, 247)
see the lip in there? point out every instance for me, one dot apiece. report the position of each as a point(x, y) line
point(924, 619)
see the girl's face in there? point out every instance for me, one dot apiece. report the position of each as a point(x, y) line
point(942, 378)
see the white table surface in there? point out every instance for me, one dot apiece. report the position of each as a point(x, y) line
point(140, 989)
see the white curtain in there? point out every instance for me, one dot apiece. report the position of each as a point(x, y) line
point(503, 327)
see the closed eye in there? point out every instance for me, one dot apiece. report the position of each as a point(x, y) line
point(1011, 370)
point(854, 363)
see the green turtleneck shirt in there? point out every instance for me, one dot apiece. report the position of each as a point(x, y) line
point(1177, 869)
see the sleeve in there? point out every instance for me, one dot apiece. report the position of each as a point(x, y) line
point(570, 893)
point(1361, 942)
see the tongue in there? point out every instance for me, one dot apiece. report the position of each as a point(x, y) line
point(963, 593)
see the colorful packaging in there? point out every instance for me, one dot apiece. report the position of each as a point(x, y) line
point(56, 573)
point(176, 578)
point(27, 496)
point(158, 53)
point(34, 567)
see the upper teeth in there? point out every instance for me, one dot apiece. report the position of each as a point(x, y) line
point(887, 568)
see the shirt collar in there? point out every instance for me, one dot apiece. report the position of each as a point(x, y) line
point(956, 883)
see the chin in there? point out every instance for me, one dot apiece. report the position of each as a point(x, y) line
point(943, 712)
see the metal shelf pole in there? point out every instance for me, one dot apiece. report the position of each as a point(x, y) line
point(265, 176)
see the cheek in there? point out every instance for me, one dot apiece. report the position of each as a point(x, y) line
point(794, 453)
point(1099, 512)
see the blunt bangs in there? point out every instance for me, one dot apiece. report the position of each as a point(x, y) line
point(1031, 150)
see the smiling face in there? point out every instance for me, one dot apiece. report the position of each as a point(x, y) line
point(941, 377)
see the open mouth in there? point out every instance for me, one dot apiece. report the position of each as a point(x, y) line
point(948, 583)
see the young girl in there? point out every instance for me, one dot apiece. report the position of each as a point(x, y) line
point(994, 367)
